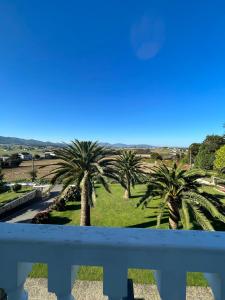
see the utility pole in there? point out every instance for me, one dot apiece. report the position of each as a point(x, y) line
point(33, 168)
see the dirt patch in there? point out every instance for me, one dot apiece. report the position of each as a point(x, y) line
point(43, 167)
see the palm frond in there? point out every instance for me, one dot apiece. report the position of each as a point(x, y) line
point(201, 218)
point(205, 203)
point(185, 215)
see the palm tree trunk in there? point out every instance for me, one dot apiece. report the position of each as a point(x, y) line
point(127, 193)
point(174, 215)
point(85, 214)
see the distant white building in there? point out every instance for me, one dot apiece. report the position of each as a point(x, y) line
point(49, 155)
point(25, 156)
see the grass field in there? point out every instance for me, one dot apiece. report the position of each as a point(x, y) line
point(11, 195)
point(114, 211)
point(22, 173)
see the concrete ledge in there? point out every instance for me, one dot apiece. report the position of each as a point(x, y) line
point(20, 201)
point(92, 290)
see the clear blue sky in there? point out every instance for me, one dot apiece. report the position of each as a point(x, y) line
point(116, 71)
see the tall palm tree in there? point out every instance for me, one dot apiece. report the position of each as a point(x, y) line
point(81, 162)
point(180, 195)
point(129, 170)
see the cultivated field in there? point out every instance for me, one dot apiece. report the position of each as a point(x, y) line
point(23, 171)
point(43, 167)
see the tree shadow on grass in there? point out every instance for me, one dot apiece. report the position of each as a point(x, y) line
point(73, 206)
point(59, 220)
point(136, 196)
point(151, 223)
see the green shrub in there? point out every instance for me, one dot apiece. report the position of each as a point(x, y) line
point(42, 217)
point(16, 187)
point(219, 162)
point(59, 204)
point(73, 194)
point(206, 154)
point(205, 158)
point(155, 156)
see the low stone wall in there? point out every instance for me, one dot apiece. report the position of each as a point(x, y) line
point(21, 200)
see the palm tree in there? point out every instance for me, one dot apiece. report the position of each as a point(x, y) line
point(180, 195)
point(129, 170)
point(81, 162)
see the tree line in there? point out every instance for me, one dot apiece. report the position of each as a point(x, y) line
point(85, 163)
point(210, 154)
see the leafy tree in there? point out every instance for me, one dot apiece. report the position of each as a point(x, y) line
point(156, 156)
point(16, 187)
point(81, 162)
point(193, 150)
point(37, 156)
point(205, 158)
point(180, 196)
point(206, 155)
point(13, 161)
point(214, 142)
point(129, 170)
point(219, 162)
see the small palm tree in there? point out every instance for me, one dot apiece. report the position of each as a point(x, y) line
point(180, 195)
point(129, 170)
point(81, 162)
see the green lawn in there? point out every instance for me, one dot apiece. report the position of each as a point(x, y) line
point(11, 195)
point(114, 211)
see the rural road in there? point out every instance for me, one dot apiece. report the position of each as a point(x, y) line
point(26, 214)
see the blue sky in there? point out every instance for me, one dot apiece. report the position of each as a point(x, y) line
point(114, 71)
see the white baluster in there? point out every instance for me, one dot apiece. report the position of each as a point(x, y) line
point(61, 279)
point(12, 278)
point(115, 281)
point(217, 283)
point(171, 284)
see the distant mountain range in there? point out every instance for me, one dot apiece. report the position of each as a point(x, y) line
point(36, 143)
point(120, 145)
point(26, 142)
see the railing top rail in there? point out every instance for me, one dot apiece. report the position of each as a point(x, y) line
point(134, 238)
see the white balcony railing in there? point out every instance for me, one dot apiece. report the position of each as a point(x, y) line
point(171, 253)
